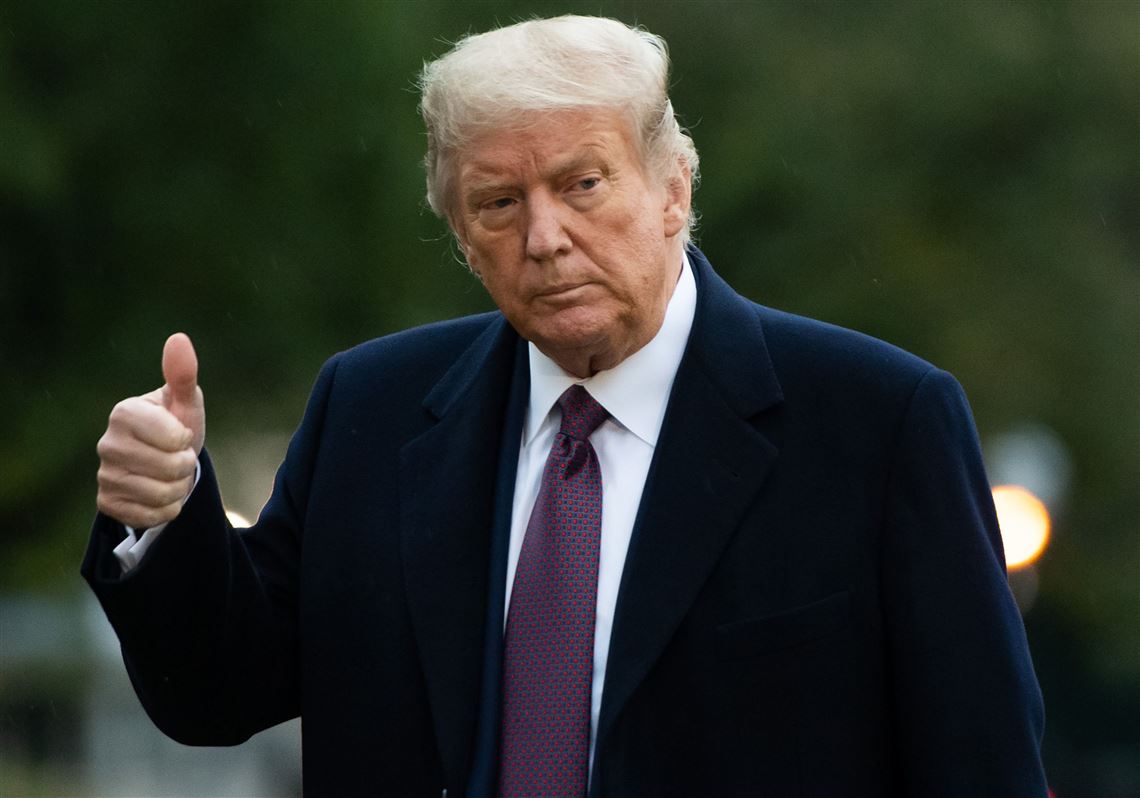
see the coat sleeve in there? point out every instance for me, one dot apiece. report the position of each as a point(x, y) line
point(207, 621)
point(967, 708)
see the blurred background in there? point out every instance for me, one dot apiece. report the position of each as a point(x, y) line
point(959, 178)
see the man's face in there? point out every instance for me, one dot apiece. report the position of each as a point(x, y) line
point(578, 247)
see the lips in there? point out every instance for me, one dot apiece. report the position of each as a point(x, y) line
point(559, 290)
point(562, 287)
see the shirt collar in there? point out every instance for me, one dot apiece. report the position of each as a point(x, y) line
point(635, 391)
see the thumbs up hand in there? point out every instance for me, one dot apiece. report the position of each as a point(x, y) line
point(148, 455)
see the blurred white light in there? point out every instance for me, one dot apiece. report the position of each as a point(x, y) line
point(1024, 523)
point(237, 519)
point(1033, 455)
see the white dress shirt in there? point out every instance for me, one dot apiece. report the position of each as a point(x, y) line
point(635, 393)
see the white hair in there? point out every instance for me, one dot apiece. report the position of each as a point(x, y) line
point(495, 80)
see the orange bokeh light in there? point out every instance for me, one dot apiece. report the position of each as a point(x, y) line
point(1024, 523)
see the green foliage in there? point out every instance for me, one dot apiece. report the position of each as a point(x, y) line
point(962, 179)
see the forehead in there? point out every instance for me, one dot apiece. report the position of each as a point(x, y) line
point(548, 144)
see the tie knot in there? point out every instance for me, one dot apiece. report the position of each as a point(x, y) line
point(581, 413)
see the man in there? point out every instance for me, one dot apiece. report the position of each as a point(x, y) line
point(632, 536)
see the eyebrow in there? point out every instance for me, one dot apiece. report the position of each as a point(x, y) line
point(588, 158)
point(490, 186)
point(579, 162)
point(592, 156)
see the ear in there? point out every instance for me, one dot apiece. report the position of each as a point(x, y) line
point(678, 199)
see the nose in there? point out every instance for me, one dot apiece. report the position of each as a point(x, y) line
point(546, 235)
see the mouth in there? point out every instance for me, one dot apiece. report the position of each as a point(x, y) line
point(561, 292)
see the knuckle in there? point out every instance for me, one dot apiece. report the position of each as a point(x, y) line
point(121, 410)
point(105, 447)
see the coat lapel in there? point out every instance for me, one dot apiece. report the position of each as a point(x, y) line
point(447, 498)
point(709, 464)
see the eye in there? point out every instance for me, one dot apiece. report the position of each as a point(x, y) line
point(496, 212)
point(587, 183)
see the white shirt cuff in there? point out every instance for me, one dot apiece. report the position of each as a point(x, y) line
point(132, 548)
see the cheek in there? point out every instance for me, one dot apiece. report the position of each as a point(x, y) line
point(480, 259)
point(504, 290)
point(493, 248)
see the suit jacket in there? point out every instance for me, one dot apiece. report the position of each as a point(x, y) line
point(814, 601)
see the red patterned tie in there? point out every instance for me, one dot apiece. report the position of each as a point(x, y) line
point(549, 653)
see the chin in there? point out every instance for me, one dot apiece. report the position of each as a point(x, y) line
point(575, 329)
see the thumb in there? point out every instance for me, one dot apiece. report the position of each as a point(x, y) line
point(180, 367)
point(180, 370)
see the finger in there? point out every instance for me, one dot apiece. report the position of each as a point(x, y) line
point(150, 424)
point(180, 369)
point(121, 486)
point(134, 456)
point(135, 515)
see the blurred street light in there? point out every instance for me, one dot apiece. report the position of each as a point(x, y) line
point(1024, 523)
